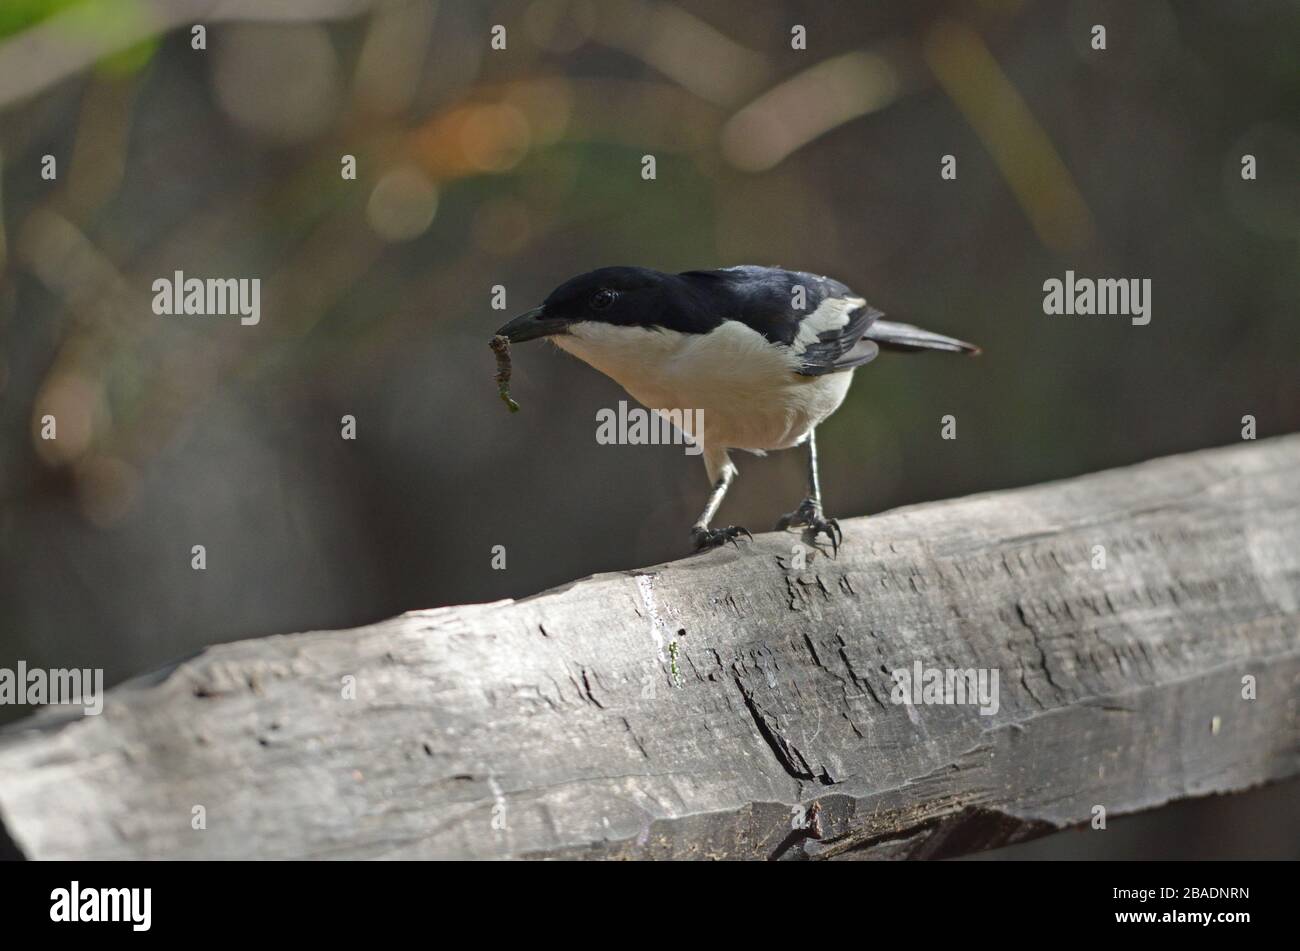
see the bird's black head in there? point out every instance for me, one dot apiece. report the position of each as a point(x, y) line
point(625, 296)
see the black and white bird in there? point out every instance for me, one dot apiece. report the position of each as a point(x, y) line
point(766, 354)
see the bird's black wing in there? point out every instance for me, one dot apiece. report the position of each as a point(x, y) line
point(842, 348)
point(822, 320)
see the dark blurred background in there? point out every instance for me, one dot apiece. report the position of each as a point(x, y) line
point(520, 167)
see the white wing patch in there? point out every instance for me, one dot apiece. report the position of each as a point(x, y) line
point(831, 314)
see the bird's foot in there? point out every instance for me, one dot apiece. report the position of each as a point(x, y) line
point(705, 537)
point(809, 517)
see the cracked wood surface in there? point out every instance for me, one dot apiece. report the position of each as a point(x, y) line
point(555, 726)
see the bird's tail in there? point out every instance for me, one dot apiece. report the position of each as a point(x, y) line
point(894, 336)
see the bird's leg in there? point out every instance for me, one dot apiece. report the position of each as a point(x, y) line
point(809, 513)
point(701, 534)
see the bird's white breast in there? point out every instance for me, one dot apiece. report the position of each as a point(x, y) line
point(747, 387)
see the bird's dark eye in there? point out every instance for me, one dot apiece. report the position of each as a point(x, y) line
point(602, 298)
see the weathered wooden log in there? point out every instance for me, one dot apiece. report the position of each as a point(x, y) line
point(1143, 623)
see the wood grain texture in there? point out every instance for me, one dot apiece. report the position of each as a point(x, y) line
point(554, 726)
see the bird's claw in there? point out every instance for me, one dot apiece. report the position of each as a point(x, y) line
point(833, 531)
point(712, 537)
point(809, 517)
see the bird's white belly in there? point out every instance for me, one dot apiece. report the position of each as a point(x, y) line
point(748, 390)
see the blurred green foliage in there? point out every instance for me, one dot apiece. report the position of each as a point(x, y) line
point(87, 18)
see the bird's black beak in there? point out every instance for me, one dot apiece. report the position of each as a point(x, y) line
point(532, 325)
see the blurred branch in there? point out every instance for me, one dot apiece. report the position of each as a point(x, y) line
point(1021, 147)
point(684, 48)
point(691, 709)
point(807, 106)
